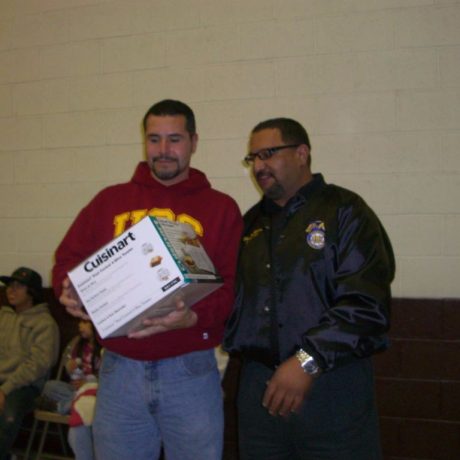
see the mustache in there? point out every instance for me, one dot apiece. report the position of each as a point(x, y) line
point(260, 174)
point(164, 157)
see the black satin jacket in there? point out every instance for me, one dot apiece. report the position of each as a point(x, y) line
point(314, 274)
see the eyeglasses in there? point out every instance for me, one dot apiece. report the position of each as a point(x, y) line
point(265, 154)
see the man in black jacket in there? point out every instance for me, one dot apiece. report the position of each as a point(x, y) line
point(312, 306)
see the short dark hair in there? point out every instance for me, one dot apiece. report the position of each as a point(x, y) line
point(292, 132)
point(172, 108)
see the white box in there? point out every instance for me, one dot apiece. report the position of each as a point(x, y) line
point(140, 274)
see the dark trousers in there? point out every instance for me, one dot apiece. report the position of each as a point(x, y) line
point(18, 403)
point(338, 421)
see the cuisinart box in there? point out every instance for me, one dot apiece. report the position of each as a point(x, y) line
point(140, 274)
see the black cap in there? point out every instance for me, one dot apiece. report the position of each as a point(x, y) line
point(26, 276)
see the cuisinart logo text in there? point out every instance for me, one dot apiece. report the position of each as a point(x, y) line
point(109, 252)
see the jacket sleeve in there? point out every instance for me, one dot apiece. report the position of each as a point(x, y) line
point(360, 271)
point(39, 359)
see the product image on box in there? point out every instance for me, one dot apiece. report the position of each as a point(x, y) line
point(142, 273)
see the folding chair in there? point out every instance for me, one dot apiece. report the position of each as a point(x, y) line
point(49, 417)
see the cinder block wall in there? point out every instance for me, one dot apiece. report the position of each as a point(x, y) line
point(376, 83)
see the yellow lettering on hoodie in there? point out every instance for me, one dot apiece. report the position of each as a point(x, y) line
point(121, 221)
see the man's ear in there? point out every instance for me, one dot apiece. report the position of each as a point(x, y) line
point(304, 153)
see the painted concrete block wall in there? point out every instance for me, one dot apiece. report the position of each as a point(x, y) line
point(375, 82)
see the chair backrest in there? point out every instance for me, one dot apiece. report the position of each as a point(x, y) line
point(47, 417)
point(65, 356)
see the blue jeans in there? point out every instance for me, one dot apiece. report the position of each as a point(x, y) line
point(144, 405)
point(61, 392)
point(81, 441)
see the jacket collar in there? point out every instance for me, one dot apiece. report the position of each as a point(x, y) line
point(269, 207)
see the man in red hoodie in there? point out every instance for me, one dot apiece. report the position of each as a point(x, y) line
point(160, 386)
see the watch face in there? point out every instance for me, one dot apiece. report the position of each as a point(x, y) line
point(311, 367)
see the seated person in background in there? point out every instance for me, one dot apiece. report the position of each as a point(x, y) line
point(29, 347)
point(77, 397)
point(82, 365)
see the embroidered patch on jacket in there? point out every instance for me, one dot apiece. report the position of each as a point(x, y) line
point(253, 234)
point(316, 234)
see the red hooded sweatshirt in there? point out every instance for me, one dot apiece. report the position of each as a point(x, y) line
point(216, 219)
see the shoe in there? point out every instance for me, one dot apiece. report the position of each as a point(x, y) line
point(45, 403)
